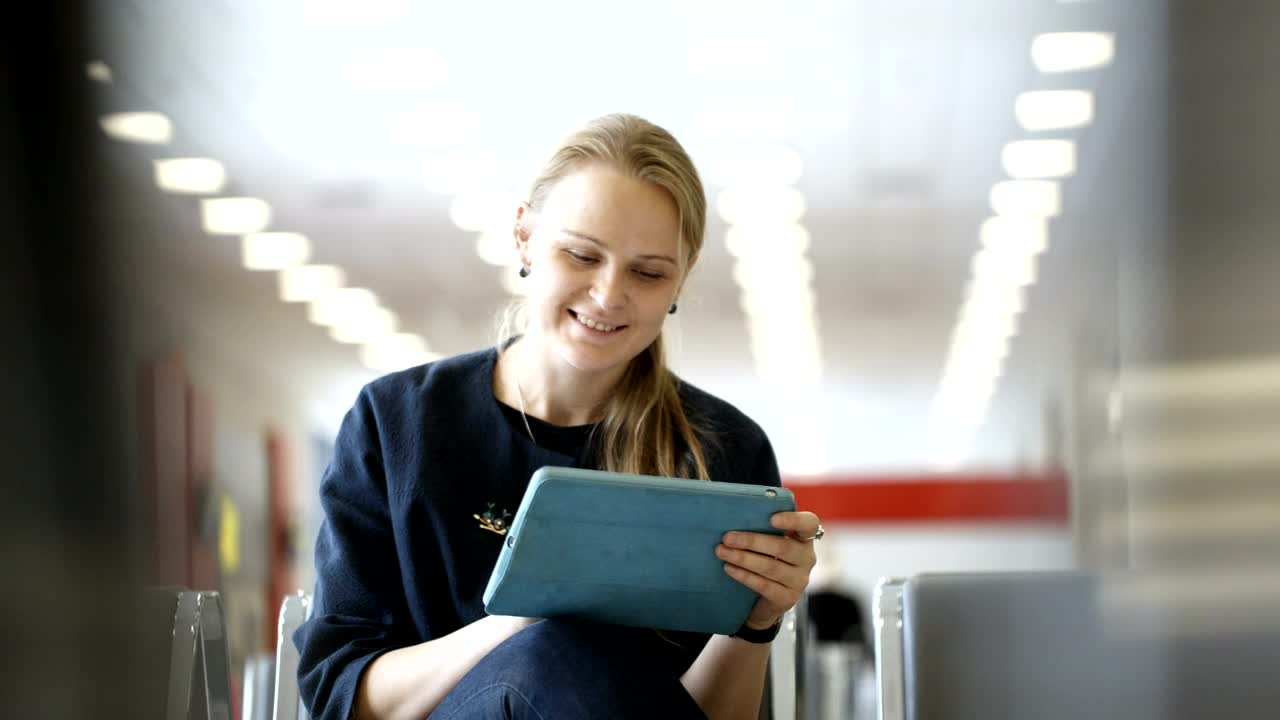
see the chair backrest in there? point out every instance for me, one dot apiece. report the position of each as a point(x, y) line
point(1007, 645)
point(199, 664)
point(784, 692)
point(294, 611)
point(1042, 645)
point(259, 687)
point(886, 611)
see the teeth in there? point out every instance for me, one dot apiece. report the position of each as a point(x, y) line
point(596, 325)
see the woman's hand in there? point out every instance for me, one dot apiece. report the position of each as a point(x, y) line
point(775, 566)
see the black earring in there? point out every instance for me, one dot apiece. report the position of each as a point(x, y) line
point(672, 309)
point(524, 271)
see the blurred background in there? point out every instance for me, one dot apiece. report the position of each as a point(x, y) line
point(1000, 278)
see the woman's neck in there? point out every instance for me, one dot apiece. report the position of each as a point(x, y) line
point(548, 388)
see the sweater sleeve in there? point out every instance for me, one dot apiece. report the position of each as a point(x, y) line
point(358, 609)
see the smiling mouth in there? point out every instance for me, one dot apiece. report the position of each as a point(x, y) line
point(594, 324)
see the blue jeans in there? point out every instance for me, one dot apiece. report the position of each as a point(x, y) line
point(568, 670)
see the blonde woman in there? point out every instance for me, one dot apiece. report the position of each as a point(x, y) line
point(431, 462)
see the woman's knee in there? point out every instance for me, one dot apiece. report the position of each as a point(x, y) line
point(495, 701)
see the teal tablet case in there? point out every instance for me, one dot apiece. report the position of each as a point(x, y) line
point(629, 550)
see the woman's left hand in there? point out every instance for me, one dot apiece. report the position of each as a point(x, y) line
point(775, 566)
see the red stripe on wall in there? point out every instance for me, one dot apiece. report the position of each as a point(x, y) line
point(969, 498)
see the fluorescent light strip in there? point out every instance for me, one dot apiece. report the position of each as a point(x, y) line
point(1072, 51)
point(341, 306)
point(1029, 159)
point(150, 128)
point(234, 215)
point(395, 352)
point(194, 176)
point(364, 327)
point(751, 205)
point(1035, 198)
point(308, 282)
point(274, 250)
point(1054, 109)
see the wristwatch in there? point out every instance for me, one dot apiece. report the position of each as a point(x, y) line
point(762, 637)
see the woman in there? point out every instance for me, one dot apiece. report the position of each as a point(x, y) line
point(431, 462)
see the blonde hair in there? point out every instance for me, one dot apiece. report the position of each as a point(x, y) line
point(644, 423)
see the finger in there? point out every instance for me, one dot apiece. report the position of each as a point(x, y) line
point(768, 567)
point(803, 524)
point(777, 594)
point(782, 547)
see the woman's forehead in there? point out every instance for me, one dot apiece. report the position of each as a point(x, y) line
point(612, 208)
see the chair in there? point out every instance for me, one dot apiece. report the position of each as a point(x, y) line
point(1042, 645)
point(784, 691)
point(294, 611)
point(199, 670)
point(259, 687)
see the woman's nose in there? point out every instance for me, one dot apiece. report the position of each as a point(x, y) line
point(608, 289)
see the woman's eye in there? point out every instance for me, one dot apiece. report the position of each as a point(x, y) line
point(649, 275)
point(580, 258)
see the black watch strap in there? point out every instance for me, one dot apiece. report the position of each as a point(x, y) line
point(762, 637)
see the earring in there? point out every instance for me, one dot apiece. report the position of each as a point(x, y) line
point(524, 271)
point(672, 309)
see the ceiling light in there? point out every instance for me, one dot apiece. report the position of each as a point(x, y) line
point(1070, 51)
point(367, 327)
point(977, 327)
point(736, 58)
point(478, 212)
point(98, 71)
point(454, 174)
point(152, 128)
point(395, 352)
point(991, 266)
point(190, 175)
point(1039, 158)
point(1054, 109)
point(754, 117)
point(769, 239)
point(274, 250)
point(746, 204)
point(794, 307)
point(755, 163)
point(1041, 198)
point(234, 215)
point(305, 283)
point(436, 127)
point(496, 248)
point(1015, 234)
point(398, 68)
point(341, 306)
point(782, 271)
point(996, 297)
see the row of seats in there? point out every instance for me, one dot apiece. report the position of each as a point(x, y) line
point(199, 674)
point(992, 646)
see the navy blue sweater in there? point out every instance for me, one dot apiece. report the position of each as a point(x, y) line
point(401, 559)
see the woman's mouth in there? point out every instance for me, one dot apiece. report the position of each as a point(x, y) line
point(595, 325)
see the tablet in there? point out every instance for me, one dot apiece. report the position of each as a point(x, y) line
point(629, 550)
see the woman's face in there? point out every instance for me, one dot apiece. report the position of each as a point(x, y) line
point(603, 254)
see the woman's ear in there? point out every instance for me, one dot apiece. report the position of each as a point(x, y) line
point(521, 232)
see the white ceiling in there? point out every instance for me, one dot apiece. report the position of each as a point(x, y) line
point(899, 109)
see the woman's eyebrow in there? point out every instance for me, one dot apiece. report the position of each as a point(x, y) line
point(588, 238)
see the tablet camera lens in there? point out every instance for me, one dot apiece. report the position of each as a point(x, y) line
point(771, 493)
point(511, 541)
